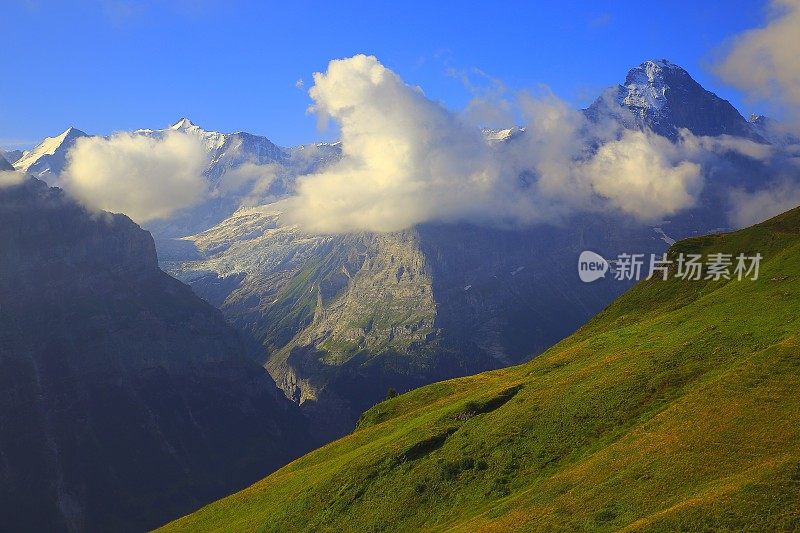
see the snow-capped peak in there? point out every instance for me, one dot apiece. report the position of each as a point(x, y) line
point(212, 140)
point(48, 147)
point(663, 97)
point(183, 124)
point(646, 85)
point(657, 65)
point(69, 133)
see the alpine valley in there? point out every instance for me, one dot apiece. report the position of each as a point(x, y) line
point(343, 318)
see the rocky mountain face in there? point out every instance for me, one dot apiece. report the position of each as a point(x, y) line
point(351, 294)
point(345, 317)
point(126, 399)
point(663, 97)
point(5, 165)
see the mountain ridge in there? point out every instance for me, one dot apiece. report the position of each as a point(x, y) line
point(227, 153)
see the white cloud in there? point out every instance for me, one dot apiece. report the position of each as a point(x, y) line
point(489, 106)
point(143, 177)
point(601, 20)
point(751, 207)
point(638, 173)
point(644, 175)
point(763, 61)
point(405, 159)
point(408, 160)
point(249, 181)
point(723, 144)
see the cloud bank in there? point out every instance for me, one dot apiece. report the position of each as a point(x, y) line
point(763, 63)
point(408, 160)
point(143, 177)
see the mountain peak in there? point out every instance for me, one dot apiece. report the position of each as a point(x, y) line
point(655, 68)
point(646, 85)
point(183, 124)
point(773, 131)
point(663, 97)
point(37, 160)
point(70, 133)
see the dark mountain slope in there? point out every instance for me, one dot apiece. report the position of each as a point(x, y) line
point(675, 409)
point(126, 399)
point(663, 97)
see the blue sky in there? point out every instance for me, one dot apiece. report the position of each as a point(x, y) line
point(106, 65)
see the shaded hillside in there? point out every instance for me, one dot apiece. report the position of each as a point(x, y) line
point(674, 409)
point(126, 400)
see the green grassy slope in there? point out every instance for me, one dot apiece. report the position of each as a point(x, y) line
point(677, 408)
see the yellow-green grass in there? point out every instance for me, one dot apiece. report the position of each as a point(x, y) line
point(677, 408)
